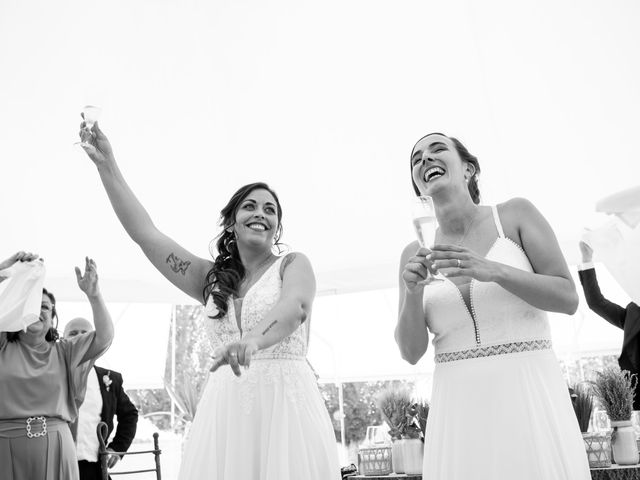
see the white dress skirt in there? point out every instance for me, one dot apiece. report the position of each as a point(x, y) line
point(500, 408)
point(270, 423)
point(503, 417)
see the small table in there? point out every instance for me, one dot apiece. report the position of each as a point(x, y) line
point(391, 476)
point(616, 472)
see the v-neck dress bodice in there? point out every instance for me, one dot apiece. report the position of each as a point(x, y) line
point(269, 423)
point(257, 302)
point(500, 408)
point(498, 321)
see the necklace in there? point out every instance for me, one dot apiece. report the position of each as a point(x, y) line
point(467, 229)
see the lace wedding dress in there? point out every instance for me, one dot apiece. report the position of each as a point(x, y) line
point(500, 408)
point(271, 422)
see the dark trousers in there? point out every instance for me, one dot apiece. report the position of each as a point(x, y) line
point(89, 470)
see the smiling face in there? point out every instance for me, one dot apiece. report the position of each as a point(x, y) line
point(41, 327)
point(76, 327)
point(436, 165)
point(256, 218)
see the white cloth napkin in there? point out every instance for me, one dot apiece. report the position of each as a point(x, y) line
point(625, 204)
point(616, 245)
point(21, 295)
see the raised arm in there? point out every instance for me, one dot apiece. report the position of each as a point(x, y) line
point(291, 310)
point(185, 270)
point(88, 283)
point(611, 312)
point(411, 332)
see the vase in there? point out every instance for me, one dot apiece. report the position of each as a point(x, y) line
point(623, 443)
point(598, 447)
point(412, 455)
point(396, 455)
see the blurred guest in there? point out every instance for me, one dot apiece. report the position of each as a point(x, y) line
point(626, 318)
point(104, 398)
point(42, 380)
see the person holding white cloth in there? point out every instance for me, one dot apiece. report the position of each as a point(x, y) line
point(42, 383)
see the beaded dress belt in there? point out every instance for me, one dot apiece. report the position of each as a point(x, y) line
point(276, 356)
point(492, 350)
point(32, 427)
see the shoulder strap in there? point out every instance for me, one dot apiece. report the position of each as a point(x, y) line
point(496, 219)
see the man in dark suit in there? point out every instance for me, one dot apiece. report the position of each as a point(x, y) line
point(628, 319)
point(104, 398)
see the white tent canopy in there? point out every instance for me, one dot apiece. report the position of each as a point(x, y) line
point(323, 101)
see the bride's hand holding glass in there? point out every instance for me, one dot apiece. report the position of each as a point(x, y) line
point(95, 143)
point(426, 224)
point(418, 270)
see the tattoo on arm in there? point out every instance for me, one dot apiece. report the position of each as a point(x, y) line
point(286, 262)
point(269, 327)
point(177, 265)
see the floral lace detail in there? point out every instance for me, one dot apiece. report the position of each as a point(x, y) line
point(287, 374)
point(502, 349)
point(258, 301)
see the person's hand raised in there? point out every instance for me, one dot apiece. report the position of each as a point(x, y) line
point(18, 257)
point(586, 251)
point(95, 144)
point(88, 282)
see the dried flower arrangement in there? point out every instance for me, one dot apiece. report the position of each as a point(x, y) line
point(582, 400)
point(406, 418)
point(616, 389)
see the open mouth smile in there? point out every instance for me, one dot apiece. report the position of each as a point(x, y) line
point(257, 226)
point(433, 173)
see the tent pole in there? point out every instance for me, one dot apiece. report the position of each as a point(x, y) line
point(341, 402)
point(173, 364)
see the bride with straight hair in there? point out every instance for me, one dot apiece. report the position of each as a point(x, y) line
point(500, 407)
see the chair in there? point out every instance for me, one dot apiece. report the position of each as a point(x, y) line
point(103, 454)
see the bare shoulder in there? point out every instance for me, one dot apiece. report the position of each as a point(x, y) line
point(517, 210)
point(517, 214)
point(296, 259)
point(517, 206)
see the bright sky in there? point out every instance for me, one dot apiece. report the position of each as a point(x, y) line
point(323, 100)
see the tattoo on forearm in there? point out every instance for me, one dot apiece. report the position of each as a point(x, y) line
point(177, 265)
point(269, 327)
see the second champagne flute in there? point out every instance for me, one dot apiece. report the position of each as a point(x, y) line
point(90, 114)
point(426, 225)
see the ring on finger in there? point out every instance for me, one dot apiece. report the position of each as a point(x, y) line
point(233, 354)
point(459, 263)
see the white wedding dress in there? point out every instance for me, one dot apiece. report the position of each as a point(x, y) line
point(271, 422)
point(500, 408)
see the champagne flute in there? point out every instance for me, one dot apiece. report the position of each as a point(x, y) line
point(90, 114)
point(426, 224)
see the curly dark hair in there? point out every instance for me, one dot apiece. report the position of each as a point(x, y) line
point(466, 156)
point(52, 334)
point(224, 278)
